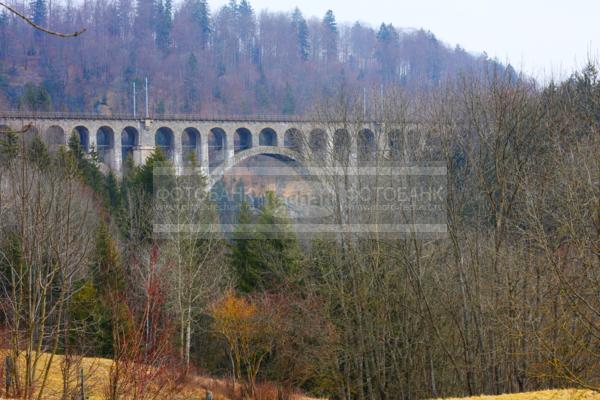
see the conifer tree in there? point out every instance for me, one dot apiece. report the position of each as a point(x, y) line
point(265, 253)
point(200, 14)
point(330, 36)
point(9, 146)
point(38, 153)
point(301, 29)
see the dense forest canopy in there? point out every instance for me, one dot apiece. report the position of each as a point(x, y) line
point(235, 60)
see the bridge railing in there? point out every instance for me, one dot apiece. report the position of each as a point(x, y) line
point(166, 117)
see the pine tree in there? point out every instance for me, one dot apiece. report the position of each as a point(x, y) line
point(75, 146)
point(38, 153)
point(200, 14)
point(9, 146)
point(301, 29)
point(242, 257)
point(386, 53)
point(107, 272)
point(164, 24)
point(266, 255)
point(289, 103)
point(246, 23)
point(191, 97)
point(113, 193)
point(145, 19)
point(330, 36)
point(38, 12)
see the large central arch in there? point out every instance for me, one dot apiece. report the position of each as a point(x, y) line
point(217, 173)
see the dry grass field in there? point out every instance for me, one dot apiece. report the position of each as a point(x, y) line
point(96, 373)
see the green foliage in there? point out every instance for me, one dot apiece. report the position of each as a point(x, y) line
point(301, 29)
point(329, 22)
point(88, 167)
point(96, 308)
point(201, 16)
point(89, 321)
point(289, 103)
point(136, 197)
point(10, 248)
point(143, 176)
point(38, 153)
point(9, 146)
point(113, 193)
point(164, 25)
point(330, 36)
point(264, 253)
point(192, 95)
point(38, 12)
point(35, 98)
point(107, 272)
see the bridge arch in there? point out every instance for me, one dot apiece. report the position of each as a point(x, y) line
point(164, 140)
point(55, 137)
point(317, 142)
point(396, 145)
point(242, 140)
point(105, 143)
point(217, 146)
point(129, 140)
point(292, 139)
point(267, 137)
point(83, 134)
point(218, 172)
point(367, 146)
point(341, 145)
point(190, 143)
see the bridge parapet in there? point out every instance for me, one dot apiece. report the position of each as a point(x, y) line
point(215, 142)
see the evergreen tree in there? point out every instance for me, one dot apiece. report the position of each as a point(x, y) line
point(200, 14)
point(95, 309)
point(75, 146)
point(145, 18)
point(301, 29)
point(264, 255)
point(88, 166)
point(330, 36)
point(137, 192)
point(38, 12)
point(246, 25)
point(113, 193)
point(107, 272)
point(289, 103)
point(387, 50)
point(242, 256)
point(191, 97)
point(35, 98)
point(9, 146)
point(164, 24)
point(38, 153)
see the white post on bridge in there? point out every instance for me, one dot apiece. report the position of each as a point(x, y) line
point(147, 115)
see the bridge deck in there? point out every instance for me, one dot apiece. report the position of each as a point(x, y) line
point(169, 117)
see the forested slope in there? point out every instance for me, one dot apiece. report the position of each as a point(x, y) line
point(233, 60)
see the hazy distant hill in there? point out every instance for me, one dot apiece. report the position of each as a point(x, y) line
point(234, 60)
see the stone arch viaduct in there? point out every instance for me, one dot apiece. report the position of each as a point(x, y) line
point(216, 144)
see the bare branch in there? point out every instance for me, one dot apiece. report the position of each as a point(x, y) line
point(38, 27)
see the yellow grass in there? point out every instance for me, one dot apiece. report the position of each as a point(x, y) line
point(96, 372)
point(565, 394)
